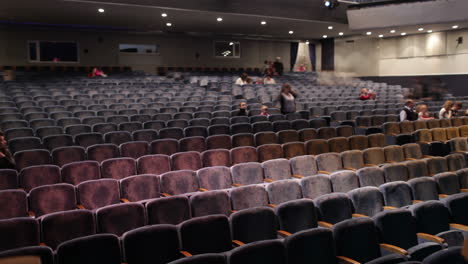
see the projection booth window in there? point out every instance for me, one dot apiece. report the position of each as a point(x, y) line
point(53, 51)
point(139, 48)
point(227, 49)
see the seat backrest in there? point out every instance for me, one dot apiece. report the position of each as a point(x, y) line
point(101, 248)
point(244, 231)
point(62, 194)
point(140, 187)
point(168, 210)
point(98, 193)
point(334, 207)
point(214, 178)
point(367, 200)
point(247, 173)
point(315, 186)
point(248, 196)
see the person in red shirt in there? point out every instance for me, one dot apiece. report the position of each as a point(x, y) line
point(366, 95)
point(264, 111)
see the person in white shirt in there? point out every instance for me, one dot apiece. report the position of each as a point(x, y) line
point(446, 111)
point(242, 80)
point(408, 112)
point(269, 80)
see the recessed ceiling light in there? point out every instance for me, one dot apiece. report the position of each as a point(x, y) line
point(219, 19)
point(429, 31)
point(291, 32)
point(369, 33)
point(392, 31)
point(380, 36)
point(420, 29)
point(169, 24)
point(164, 15)
point(307, 42)
point(403, 34)
point(341, 33)
point(231, 43)
point(455, 26)
point(263, 22)
point(101, 10)
point(325, 36)
point(330, 27)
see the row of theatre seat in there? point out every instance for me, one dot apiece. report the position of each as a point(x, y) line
point(145, 236)
point(437, 142)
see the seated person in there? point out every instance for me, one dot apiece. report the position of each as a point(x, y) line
point(242, 80)
point(446, 110)
point(302, 68)
point(242, 109)
point(456, 109)
point(6, 159)
point(264, 111)
point(423, 114)
point(259, 81)
point(269, 80)
point(408, 112)
point(97, 73)
point(366, 95)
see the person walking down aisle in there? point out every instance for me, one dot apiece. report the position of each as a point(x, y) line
point(408, 112)
point(6, 159)
point(287, 99)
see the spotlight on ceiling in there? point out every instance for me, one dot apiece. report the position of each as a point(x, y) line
point(403, 34)
point(381, 36)
point(341, 33)
point(330, 4)
point(307, 42)
point(263, 22)
point(368, 33)
point(291, 32)
point(219, 19)
point(324, 36)
point(392, 31)
point(455, 26)
point(420, 29)
point(429, 31)
point(164, 15)
point(169, 24)
point(330, 27)
point(101, 10)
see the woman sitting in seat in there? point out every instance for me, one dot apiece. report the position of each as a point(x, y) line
point(423, 113)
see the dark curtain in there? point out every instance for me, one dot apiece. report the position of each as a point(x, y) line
point(294, 49)
point(328, 54)
point(312, 56)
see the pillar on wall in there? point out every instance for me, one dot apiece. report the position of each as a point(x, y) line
point(328, 54)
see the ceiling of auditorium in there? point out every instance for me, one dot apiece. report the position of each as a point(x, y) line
point(308, 19)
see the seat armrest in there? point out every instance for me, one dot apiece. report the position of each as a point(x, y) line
point(370, 165)
point(464, 190)
point(203, 190)
point(459, 226)
point(345, 260)
point(431, 238)
point(42, 244)
point(323, 172)
point(165, 194)
point(80, 206)
point(123, 200)
point(297, 176)
point(359, 215)
point(325, 224)
point(32, 214)
point(185, 253)
point(268, 180)
point(427, 156)
point(237, 243)
point(283, 233)
point(417, 201)
point(443, 195)
point(272, 205)
point(410, 159)
point(423, 142)
point(389, 207)
point(236, 185)
point(351, 169)
point(394, 249)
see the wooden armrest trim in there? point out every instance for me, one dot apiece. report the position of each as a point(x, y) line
point(427, 156)
point(237, 243)
point(459, 226)
point(443, 195)
point(389, 207)
point(351, 169)
point(283, 233)
point(359, 215)
point(297, 176)
point(323, 172)
point(42, 244)
point(410, 159)
point(464, 190)
point(325, 224)
point(272, 205)
point(268, 180)
point(80, 206)
point(185, 253)
point(165, 194)
point(370, 165)
point(123, 200)
point(346, 260)
point(431, 238)
point(203, 190)
point(31, 214)
point(417, 201)
point(394, 249)
point(236, 185)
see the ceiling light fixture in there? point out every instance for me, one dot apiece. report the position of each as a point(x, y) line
point(330, 27)
point(263, 22)
point(381, 36)
point(429, 31)
point(169, 24)
point(455, 26)
point(231, 43)
point(330, 4)
point(403, 34)
point(219, 19)
point(369, 33)
point(101, 10)
point(291, 32)
point(307, 42)
point(325, 36)
point(341, 33)
point(164, 15)
point(420, 29)
point(392, 31)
